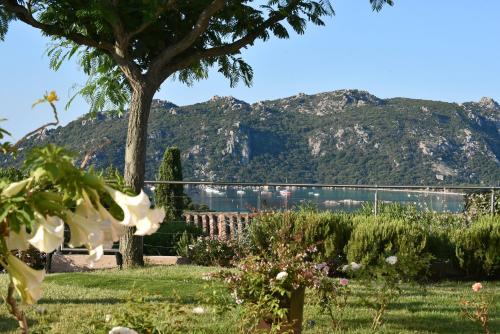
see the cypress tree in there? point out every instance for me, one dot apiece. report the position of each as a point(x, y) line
point(170, 196)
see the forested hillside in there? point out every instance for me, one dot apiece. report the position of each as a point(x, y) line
point(346, 136)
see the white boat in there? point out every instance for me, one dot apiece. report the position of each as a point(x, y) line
point(285, 193)
point(316, 194)
point(240, 192)
point(210, 190)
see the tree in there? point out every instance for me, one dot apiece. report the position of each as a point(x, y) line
point(129, 48)
point(170, 196)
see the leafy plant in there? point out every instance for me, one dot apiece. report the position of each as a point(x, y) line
point(205, 251)
point(376, 236)
point(165, 240)
point(478, 246)
point(384, 279)
point(333, 297)
point(477, 306)
point(34, 211)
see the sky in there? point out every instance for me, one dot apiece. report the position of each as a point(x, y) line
point(447, 50)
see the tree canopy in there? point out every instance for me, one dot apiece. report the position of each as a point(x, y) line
point(130, 47)
point(153, 40)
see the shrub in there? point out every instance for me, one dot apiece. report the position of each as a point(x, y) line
point(328, 231)
point(441, 245)
point(213, 252)
point(376, 237)
point(479, 203)
point(478, 246)
point(392, 210)
point(272, 277)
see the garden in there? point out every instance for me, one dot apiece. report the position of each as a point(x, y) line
point(166, 299)
point(301, 271)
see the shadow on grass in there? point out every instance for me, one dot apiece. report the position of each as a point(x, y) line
point(8, 323)
point(114, 301)
point(171, 290)
point(418, 306)
point(65, 301)
point(435, 323)
point(112, 282)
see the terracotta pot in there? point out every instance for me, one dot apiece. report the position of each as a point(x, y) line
point(295, 315)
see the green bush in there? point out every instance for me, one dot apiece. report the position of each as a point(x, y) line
point(441, 245)
point(376, 237)
point(449, 246)
point(213, 252)
point(478, 246)
point(328, 231)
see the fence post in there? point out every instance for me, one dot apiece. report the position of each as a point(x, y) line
point(492, 204)
point(375, 204)
point(258, 199)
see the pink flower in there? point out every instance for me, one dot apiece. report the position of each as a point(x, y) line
point(343, 281)
point(477, 286)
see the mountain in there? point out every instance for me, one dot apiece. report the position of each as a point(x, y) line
point(345, 136)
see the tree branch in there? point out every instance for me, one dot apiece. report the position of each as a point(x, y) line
point(120, 49)
point(25, 15)
point(23, 139)
point(91, 152)
point(226, 49)
point(199, 28)
point(14, 309)
point(169, 5)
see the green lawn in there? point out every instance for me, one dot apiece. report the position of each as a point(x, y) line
point(79, 303)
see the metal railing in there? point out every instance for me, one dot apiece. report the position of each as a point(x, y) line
point(231, 225)
point(375, 189)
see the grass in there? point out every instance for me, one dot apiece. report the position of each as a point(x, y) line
point(165, 296)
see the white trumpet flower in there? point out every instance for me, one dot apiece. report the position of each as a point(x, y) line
point(15, 188)
point(86, 228)
point(111, 227)
point(83, 230)
point(17, 240)
point(137, 212)
point(151, 222)
point(49, 233)
point(26, 281)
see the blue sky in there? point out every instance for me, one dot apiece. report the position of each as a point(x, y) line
point(441, 50)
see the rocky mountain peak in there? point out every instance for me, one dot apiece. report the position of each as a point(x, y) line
point(355, 96)
point(226, 99)
point(157, 103)
point(489, 103)
point(229, 103)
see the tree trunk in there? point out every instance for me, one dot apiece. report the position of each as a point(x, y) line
point(135, 165)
